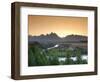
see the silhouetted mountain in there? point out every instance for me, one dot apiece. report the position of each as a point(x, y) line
point(75, 38)
point(54, 38)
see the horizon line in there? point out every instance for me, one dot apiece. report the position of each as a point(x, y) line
point(57, 34)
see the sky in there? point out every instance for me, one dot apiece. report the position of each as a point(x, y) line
point(61, 25)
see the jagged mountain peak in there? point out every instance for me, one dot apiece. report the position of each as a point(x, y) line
point(53, 37)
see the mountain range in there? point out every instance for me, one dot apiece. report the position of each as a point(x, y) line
point(54, 38)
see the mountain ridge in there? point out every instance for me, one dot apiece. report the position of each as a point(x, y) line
point(54, 38)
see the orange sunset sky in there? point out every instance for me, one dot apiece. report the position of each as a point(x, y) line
point(61, 25)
